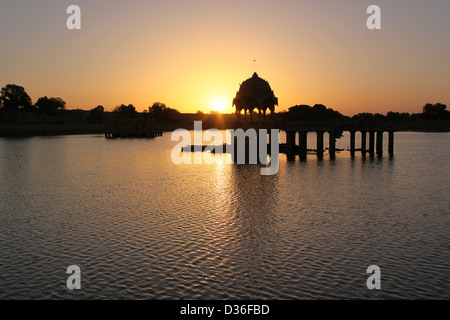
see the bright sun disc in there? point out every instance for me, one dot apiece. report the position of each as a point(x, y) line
point(218, 105)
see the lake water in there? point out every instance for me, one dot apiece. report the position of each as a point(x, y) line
point(141, 227)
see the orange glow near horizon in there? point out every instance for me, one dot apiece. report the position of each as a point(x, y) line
point(188, 54)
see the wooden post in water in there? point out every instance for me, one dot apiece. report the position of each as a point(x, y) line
point(391, 143)
point(363, 142)
point(379, 142)
point(319, 143)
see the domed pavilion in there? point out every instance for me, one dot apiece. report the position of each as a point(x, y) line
point(255, 93)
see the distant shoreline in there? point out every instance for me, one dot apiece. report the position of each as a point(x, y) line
point(35, 130)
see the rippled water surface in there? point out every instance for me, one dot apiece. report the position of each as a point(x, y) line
point(141, 227)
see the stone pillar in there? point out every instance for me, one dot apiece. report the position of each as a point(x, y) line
point(391, 143)
point(379, 142)
point(290, 141)
point(352, 142)
point(363, 142)
point(319, 143)
point(332, 142)
point(303, 143)
point(371, 143)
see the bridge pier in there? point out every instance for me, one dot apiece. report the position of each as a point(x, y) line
point(332, 143)
point(319, 143)
point(391, 143)
point(363, 142)
point(290, 141)
point(352, 143)
point(379, 142)
point(303, 143)
point(371, 142)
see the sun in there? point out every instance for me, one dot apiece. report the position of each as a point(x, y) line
point(218, 104)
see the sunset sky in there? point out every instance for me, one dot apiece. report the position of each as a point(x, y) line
point(193, 55)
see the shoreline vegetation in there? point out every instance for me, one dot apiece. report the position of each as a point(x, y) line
point(218, 122)
point(19, 117)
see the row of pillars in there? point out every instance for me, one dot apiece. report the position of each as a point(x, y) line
point(373, 146)
point(261, 114)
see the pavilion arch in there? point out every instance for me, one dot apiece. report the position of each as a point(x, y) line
point(255, 93)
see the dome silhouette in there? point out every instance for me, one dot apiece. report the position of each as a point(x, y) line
point(255, 93)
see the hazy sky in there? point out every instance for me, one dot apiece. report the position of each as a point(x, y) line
point(188, 53)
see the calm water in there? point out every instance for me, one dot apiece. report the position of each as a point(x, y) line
point(141, 227)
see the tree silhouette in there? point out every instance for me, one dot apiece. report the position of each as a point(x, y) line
point(161, 113)
point(435, 111)
point(49, 105)
point(397, 116)
point(124, 111)
point(307, 113)
point(14, 97)
point(366, 116)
